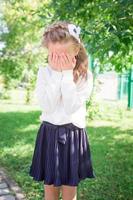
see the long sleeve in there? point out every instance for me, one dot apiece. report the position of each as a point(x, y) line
point(47, 89)
point(74, 96)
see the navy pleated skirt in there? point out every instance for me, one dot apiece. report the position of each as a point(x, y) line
point(61, 155)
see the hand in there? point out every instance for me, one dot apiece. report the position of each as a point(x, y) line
point(66, 61)
point(53, 60)
point(61, 62)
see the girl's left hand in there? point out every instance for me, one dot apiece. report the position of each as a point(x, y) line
point(66, 61)
point(54, 61)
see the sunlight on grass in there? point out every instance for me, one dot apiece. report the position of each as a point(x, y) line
point(28, 128)
point(19, 149)
point(127, 137)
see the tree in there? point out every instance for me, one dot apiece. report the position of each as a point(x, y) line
point(21, 35)
point(107, 28)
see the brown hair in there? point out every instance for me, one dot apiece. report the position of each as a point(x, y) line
point(58, 32)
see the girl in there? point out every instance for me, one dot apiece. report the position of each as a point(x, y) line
point(62, 156)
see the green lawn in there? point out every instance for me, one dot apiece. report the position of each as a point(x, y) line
point(110, 137)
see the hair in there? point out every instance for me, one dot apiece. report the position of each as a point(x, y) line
point(58, 32)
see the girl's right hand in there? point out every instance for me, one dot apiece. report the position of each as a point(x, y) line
point(53, 61)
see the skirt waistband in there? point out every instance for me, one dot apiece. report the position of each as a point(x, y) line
point(70, 126)
point(61, 129)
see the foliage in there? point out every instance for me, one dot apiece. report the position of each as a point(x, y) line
point(20, 35)
point(107, 28)
point(92, 108)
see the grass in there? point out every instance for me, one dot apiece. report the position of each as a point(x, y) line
point(110, 137)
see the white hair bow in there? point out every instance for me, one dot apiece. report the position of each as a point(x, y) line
point(74, 31)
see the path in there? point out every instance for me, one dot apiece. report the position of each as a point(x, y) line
point(9, 190)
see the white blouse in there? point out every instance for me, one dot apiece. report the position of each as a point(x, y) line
point(61, 99)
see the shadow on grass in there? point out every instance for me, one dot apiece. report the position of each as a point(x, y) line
point(111, 156)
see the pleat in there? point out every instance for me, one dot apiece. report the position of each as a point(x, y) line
point(61, 155)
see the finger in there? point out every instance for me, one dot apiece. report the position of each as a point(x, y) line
point(58, 62)
point(49, 58)
point(51, 55)
point(52, 60)
point(63, 56)
point(54, 57)
point(69, 57)
point(61, 62)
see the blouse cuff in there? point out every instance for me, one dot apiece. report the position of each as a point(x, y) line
point(67, 74)
point(55, 74)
